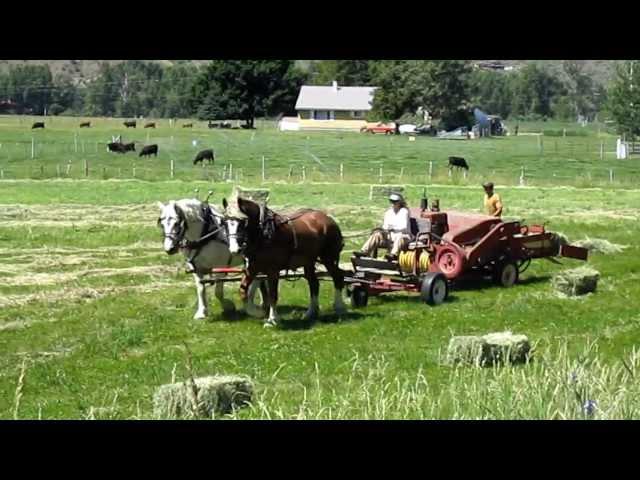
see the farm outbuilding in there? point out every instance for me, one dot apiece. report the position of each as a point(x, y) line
point(333, 107)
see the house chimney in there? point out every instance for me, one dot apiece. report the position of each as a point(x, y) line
point(335, 86)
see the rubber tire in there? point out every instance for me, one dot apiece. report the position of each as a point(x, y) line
point(359, 297)
point(509, 268)
point(431, 288)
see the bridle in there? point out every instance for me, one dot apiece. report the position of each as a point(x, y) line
point(241, 239)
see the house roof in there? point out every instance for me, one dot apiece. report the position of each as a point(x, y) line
point(326, 98)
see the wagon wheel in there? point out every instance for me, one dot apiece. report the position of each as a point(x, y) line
point(359, 297)
point(434, 288)
point(506, 273)
point(450, 261)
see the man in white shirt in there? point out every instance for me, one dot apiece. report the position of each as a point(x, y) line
point(395, 232)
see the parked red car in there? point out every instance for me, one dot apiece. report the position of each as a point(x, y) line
point(379, 128)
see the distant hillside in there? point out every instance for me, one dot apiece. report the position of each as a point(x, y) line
point(601, 71)
point(82, 70)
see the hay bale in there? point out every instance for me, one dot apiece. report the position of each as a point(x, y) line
point(577, 281)
point(216, 395)
point(505, 347)
point(488, 350)
point(255, 194)
point(464, 349)
point(600, 245)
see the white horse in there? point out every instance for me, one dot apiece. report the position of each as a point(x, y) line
point(197, 229)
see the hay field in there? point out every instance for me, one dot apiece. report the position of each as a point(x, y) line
point(95, 316)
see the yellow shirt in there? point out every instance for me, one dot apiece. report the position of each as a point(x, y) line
point(492, 204)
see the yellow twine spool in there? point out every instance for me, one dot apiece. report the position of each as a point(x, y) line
point(407, 260)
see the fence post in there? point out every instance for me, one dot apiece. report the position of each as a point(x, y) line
point(401, 173)
point(41, 171)
point(341, 172)
point(304, 173)
point(134, 170)
point(290, 173)
point(58, 170)
point(86, 168)
point(230, 171)
point(371, 192)
point(1, 173)
point(104, 172)
point(430, 169)
point(564, 133)
point(522, 176)
point(263, 169)
point(33, 148)
point(601, 151)
point(68, 168)
point(83, 149)
point(380, 175)
point(172, 168)
point(611, 175)
point(464, 174)
point(75, 142)
point(224, 173)
point(119, 172)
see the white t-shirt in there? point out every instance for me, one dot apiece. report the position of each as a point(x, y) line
point(398, 222)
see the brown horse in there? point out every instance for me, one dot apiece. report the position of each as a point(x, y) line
point(272, 242)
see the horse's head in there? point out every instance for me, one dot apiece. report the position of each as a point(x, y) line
point(174, 225)
point(241, 221)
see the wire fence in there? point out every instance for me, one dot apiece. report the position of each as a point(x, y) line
point(265, 155)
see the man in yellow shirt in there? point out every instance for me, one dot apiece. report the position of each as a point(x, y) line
point(492, 201)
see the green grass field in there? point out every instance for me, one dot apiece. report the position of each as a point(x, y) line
point(95, 316)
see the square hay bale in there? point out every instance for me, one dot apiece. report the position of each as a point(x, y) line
point(464, 349)
point(488, 350)
point(216, 395)
point(255, 194)
point(599, 245)
point(505, 347)
point(577, 281)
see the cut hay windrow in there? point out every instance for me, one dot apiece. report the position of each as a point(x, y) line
point(600, 245)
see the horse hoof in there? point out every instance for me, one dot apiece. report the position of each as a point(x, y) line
point(268, 325)
point(199, 316)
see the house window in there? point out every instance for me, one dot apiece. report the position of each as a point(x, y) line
point(356, 114)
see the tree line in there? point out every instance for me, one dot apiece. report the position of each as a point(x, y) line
point(246, 89)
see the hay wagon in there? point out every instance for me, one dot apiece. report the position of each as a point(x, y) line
point(449, 246)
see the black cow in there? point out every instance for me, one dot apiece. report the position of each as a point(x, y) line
point(149, 150)
point(458, 162)
point(150, 125)
point(129, 147)
point(204, 155)
point(187, 125)
point(37, 125)
point(85, 125)
point(116, 147)
point(130, 123)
